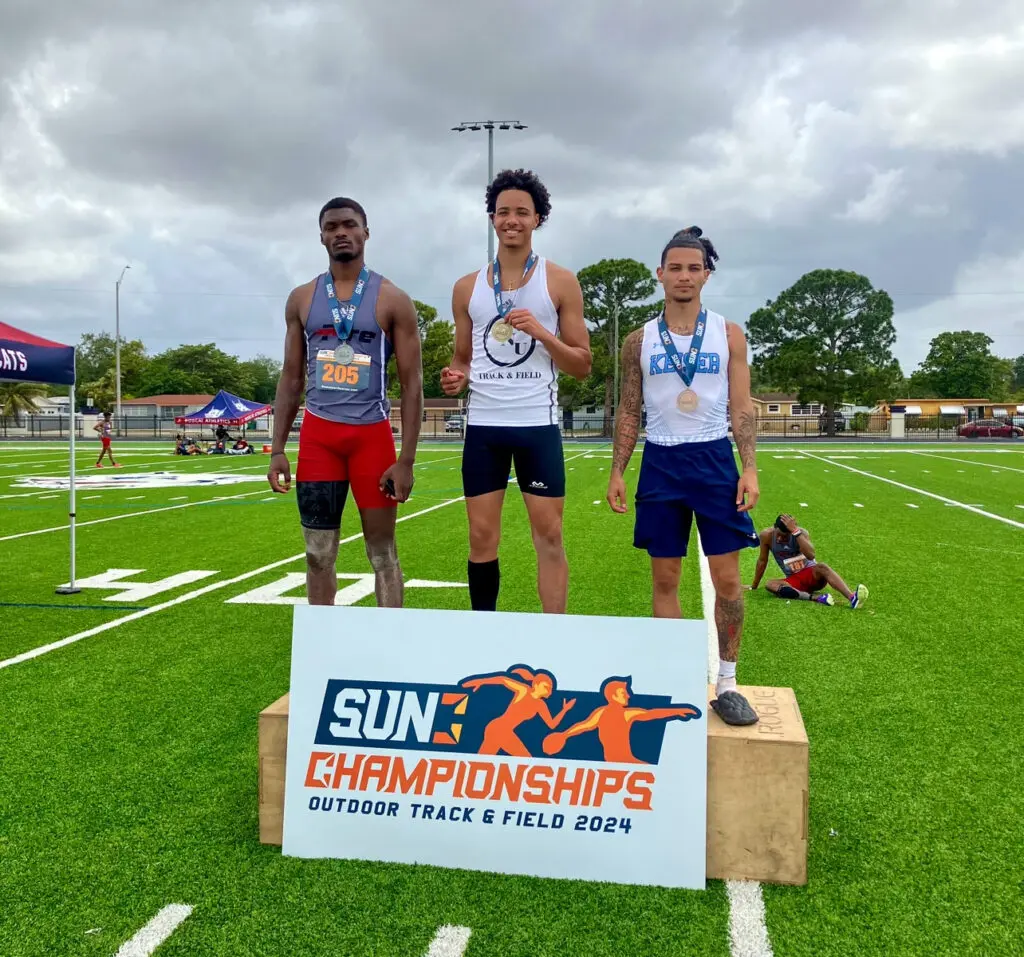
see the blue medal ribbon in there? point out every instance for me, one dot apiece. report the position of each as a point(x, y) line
point(505, 308)
point(343, 320)
point(688, 366)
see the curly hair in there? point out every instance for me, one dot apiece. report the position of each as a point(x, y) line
point(525, 180)
point(691, 238)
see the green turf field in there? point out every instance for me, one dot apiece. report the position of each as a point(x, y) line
point(128, 757)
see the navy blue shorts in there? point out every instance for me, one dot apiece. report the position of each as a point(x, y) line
point(490, 450)
point(680, 481)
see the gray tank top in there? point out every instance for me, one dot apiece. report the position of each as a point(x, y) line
point(788, 555)
point(356, 393)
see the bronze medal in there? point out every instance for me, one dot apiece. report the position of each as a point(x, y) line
point(687, 401)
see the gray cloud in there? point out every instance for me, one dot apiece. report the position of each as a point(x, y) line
point(199, 142)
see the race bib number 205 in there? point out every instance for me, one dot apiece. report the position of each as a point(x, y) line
point(332, 375)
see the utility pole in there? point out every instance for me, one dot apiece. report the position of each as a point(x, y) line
point(615, 360)
point(490, 126)
point(117, 339)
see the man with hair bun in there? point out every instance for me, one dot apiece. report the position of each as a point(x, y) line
point(518, 322)
point(688, 367)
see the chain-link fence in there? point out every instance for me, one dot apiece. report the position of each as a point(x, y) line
point(445, 424)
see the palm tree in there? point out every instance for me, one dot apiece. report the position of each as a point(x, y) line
point(18, 398)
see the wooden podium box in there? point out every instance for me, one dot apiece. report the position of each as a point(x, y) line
point(758, 792)
point(757, 788)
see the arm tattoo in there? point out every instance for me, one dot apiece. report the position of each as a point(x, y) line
point(729, 621)
point(627, 416)
point(745, 433)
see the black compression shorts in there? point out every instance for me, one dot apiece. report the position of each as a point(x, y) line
point(490, 450)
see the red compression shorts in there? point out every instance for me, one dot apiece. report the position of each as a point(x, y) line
point(105, 439)
point(806, 579)
point(339, 452)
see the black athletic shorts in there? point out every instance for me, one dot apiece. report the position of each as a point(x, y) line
point(490, 450)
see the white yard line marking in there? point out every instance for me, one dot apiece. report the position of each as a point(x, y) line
point(146, 941)
point(857, 505)
point(188, 596)
point(449, 941)
point(116, 518)
point(748, 932)
point(984, 465)
point(921, 491)
point(134, 498)
point(910, 505)
point(177, 498)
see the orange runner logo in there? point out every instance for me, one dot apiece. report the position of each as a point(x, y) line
point(519, 712)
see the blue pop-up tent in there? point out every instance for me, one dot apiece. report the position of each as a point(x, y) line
point(28, 358)
point(226, 409)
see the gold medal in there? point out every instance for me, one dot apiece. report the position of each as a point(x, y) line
point(687, 401)
point(502, 331)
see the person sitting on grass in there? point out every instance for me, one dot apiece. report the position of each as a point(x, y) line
point(804, 574)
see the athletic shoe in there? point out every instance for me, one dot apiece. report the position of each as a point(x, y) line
point(733, 708)
point(824, 599)
point(859, 596)
point(99, 465)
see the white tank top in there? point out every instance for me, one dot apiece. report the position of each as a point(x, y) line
point(514, 383)
point(666, 425)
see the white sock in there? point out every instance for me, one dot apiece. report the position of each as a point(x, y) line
point(726, 677)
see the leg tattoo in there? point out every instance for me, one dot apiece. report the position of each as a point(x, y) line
point(729, 620)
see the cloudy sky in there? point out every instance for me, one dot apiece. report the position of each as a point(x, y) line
point(197, 142)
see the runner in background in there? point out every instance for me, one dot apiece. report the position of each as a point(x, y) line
point(105, 427)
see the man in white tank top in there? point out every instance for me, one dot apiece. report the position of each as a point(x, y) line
point(518, 322)
point(688, 368)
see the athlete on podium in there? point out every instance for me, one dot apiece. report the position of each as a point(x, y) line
point(688, 368)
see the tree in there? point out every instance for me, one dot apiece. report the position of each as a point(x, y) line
point(960, 365)
point(19, 398)
point(94, 359)
point(195, 369)
point(615, 302)
point(437, 342)
point(1018, 374)
point(101, 393)
point(830, 337)
point(425, 315)
point(262, 374)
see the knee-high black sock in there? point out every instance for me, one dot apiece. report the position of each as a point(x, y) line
point(484, 579)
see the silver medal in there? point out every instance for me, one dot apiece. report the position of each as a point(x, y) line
point(344, 353)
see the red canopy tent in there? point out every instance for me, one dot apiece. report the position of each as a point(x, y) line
point(25, 357)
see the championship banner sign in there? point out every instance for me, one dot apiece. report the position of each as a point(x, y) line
point(557, 746)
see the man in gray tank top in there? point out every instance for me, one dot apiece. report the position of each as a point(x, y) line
point(340, 330)
point(791, 547)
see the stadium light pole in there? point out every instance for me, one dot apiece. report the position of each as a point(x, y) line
point(117, 338)
point(490, 126)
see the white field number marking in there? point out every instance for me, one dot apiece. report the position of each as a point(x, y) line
point(137, 591)
point(276, 593)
